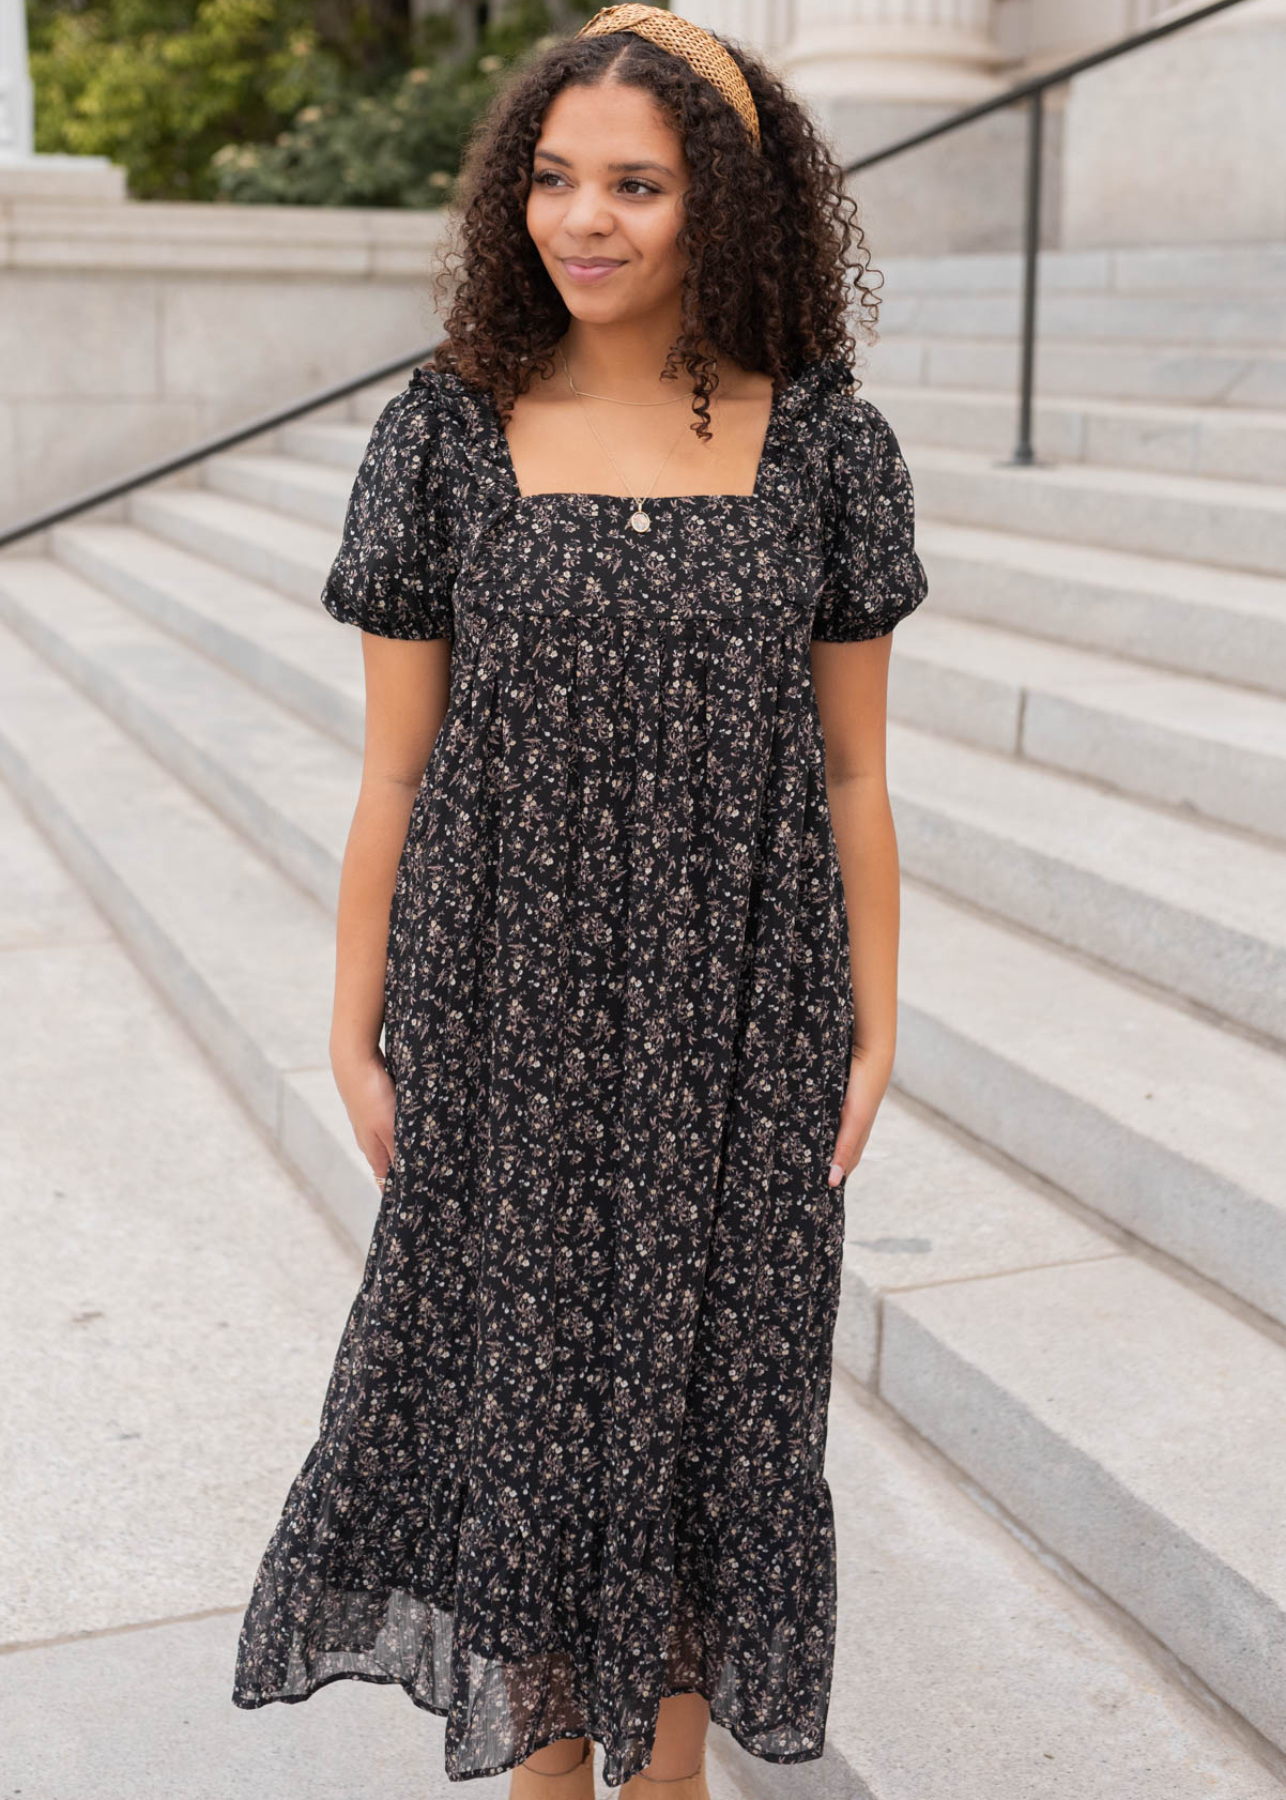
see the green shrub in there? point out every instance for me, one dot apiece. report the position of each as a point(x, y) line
point(400, 147)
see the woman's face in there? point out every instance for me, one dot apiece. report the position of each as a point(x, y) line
point(608, 179)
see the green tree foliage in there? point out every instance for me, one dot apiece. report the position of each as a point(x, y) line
point(302, 102)
point(160, 87)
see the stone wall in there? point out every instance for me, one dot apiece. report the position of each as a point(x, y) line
point(133, 329)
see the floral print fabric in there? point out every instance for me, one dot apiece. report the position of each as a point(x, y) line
point(570, 1457)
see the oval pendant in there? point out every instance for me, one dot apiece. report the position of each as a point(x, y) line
point(640, 521)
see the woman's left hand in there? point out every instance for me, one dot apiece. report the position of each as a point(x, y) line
point(867, 1080)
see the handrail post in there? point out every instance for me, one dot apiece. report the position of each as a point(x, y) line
point(1023, 453)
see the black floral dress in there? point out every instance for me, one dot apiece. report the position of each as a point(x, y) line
point(570, 1457)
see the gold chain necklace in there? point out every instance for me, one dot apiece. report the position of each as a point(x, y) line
point(615, 399)
point(639, 519)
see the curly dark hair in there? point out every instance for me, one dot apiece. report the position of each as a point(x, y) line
point(769, 236)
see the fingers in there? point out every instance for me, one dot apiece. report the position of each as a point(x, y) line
point(847, 1153)
point(382, 1153)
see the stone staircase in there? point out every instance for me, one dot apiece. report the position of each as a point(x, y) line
point(1058, 1438)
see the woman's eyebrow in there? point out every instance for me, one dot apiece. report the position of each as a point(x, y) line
point(618, 167)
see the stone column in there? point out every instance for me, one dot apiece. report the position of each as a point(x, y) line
point(15, 83)
point(763, 26)
point(23, 174)
point(940, 52)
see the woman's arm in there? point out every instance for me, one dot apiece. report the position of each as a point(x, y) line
point(851, 684)
point(407, 685)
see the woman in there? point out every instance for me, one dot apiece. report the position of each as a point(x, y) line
point(622, 890)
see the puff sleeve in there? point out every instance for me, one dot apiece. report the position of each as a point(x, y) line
point(871, 576)
point(394, 572)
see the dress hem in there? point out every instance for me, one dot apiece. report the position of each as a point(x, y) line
point(441, 1712)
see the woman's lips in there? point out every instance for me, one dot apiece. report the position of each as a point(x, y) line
point(588, 271)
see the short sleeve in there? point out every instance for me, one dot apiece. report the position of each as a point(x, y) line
point(872, 576)
point(394, 572)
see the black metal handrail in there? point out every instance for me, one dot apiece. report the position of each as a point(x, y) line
point(1033, 91)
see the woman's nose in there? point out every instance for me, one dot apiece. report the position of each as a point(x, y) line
point(590, 215)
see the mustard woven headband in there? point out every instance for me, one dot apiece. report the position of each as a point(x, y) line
point(681, 38)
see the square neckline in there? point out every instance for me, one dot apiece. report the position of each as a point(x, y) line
point(756, 493)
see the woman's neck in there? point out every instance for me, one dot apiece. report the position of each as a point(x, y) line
point(623, 361)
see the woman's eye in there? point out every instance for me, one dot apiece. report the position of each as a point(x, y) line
point(547, 178)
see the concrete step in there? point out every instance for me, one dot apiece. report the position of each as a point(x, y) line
point(1225, 443)
point(1082, 1389)
point(1236, 321)
point(178, 1343)
point(334, 443)
point(1213, 751)
point(1133, 1427)
point(964, 1670)
point(286, 786)
point(1153, 610)
point(365, 406)
point(1199, 374)
point(317, 492)
point(1225, 524)
point(297, 655)
point(245, 957)
point(288, 554)
point(1168, 1124)
point(225, 522)
point(925, 1205)
point(1197, 912)
point(1244, 271)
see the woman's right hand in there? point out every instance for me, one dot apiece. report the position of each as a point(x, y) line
point(366, 1088)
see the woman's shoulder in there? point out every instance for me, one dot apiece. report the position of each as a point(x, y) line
point(409, 418)
point(830, 393)
point(445, 391)
point(456, 412)
point(419, 400)
point(432, 413)
point(848, 441)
